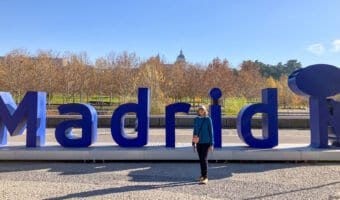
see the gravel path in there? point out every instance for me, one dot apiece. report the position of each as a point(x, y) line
point(175, 180)
point(36, 180)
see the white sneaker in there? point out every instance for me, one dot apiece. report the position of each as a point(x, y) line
point(204, 181)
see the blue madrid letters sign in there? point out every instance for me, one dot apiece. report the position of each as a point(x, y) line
point(317, 82)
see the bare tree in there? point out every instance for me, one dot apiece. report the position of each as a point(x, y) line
point(249, 80)
point(219, 74)
point(16, 67)
point(175, 79)
point(151, 75)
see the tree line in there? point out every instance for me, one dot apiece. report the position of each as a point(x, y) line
point(120, 74)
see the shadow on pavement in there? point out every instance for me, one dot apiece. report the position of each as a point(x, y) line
point(170, 174)
point(291, 191)
point(106, 191)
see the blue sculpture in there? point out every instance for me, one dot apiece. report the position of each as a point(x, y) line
point(319, 82)
point(31, 112)
point(268, 108)
point(88, 123)
point(170, 125)
point(216, 116)
point(142, 110)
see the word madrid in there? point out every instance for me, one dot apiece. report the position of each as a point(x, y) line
point(318, 82)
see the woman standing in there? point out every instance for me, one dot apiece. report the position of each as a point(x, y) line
point(203, 140)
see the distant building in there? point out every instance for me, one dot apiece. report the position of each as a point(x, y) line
point(180, 57)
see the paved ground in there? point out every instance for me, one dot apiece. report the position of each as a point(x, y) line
point(176, 180)
point(27, 180)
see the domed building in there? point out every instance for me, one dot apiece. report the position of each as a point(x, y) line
point(180, 57)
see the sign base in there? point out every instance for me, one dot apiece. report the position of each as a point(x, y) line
point(155, 152)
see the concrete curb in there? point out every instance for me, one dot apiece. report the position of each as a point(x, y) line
point(154, 151)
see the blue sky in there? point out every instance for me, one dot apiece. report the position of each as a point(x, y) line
point(271, 31)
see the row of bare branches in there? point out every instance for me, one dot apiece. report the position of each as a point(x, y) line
point(119, 75)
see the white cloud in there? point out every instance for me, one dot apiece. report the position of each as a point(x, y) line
point(336, 46)
point(317, 49)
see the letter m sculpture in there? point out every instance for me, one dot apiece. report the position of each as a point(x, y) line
point(30, 113)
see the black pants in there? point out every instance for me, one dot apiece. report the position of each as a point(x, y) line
point(202, 150)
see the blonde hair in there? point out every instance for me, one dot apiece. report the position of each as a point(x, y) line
point(202, 107)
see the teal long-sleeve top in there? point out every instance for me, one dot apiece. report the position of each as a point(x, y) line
point(206, 134)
